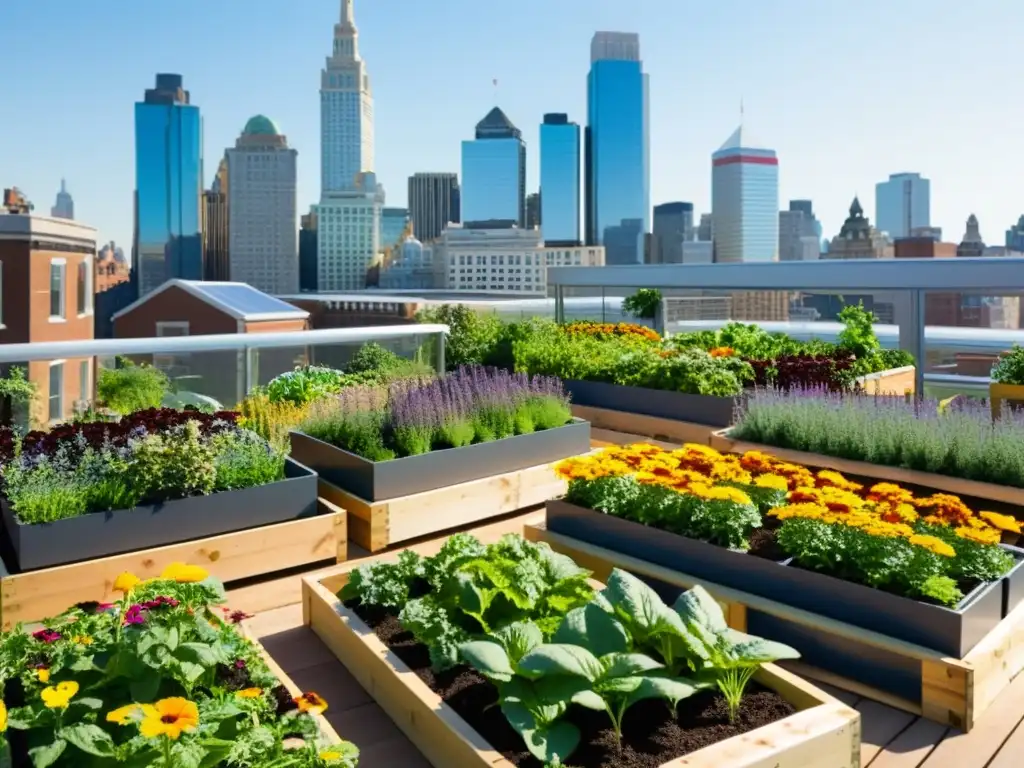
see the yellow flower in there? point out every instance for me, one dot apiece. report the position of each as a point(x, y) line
point(250, 693)
point(82, 639)
point(124, 715)
point(169, 717)
point(831, 478)
point(775, 482)
point(933, 544)
point(979, 535)
point(59, 696)
point(43, 674)
point(126, 582)
point(311, 702)
point(721, 493)
point(185, 574)
point(3, 717)
point(1003, 522)
point(331, 755)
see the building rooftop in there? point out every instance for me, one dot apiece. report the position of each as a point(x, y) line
point(742, 139)
point(239, 300)
point(496, 125)
point(261, 125)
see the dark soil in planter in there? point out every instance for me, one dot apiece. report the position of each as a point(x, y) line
point(651, 735)
point(763, 544)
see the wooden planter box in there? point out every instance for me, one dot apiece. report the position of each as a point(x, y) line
point(953, 631)
point(997, 393)
point(824, 734)
point(34, 595)
point(100, 534)
point(951, 691)
point(895, 381)
point(378, 481)
point(635, 427)
point(377, 525)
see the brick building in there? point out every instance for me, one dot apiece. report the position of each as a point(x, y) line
point(195, 308)
point(46, 294)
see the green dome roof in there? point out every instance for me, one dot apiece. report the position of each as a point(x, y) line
point(260, 125)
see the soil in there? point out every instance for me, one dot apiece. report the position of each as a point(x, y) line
point(763, 544)
point(652, 736)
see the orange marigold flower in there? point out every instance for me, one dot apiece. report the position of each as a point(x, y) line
point(722, 352)
point(804, 496)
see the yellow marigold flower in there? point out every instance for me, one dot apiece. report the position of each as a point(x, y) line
point(124, 715)
point(126, 582)
point(60, 695)
point(889, 492)
point(82, 639)
point(43, 675)
point(895, 512)
point(979, 535)
point(185, 574)
point(1003, 522)
point(775, 482)
point(3, 717)
point(828, 477)
point(311, 702)
point(720, 493)
point(249, 693)
point(933, 544)
point(330, 755)
point(169, 717)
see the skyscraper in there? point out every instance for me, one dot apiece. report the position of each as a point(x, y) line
point(618, 207)
point(744, 200)
point(348, 234)
point(902, 203)
point(494, 172)
point(673, 225)
point(434, 201)
point(263, 241)
point(168, 186)
point(799, 232)
point(560, 179)
point(64, 208)
point(393, 222)
point(346, 110)
point(216, 228)
point(533, 204)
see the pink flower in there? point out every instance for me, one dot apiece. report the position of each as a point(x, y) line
point(159, 602)
point(46, 636)
point(237, 617)
point(103, 607)
point(135, 614)
point(240, 664)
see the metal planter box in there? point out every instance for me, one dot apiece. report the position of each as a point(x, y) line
point(100, 534)
point(382, 480)
point(1013, 582)
point(949, 631)
point(662, 403)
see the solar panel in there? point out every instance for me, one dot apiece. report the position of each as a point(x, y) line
point(245, 299)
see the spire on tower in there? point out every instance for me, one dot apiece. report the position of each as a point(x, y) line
point(347, 14)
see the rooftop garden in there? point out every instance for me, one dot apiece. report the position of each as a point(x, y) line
point(162, 677)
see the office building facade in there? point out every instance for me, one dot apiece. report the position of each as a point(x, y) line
point(168, 186)
point(348, 235)
point(434, 202)
point(745, 200)
point(902, 203)
point(308, 250)
point(799, 232)
point(533, 204)
point(263, 203)
point(560, 179)
point(494, 173)
point(673, 225)
point(346, 110)
point(216, 232)
point(617, 198)
point(393, 223)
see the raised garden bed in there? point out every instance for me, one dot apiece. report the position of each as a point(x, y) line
point(101, 534)
point(377, 525)
point(255, 552)
point(951, 691)
point(951, 631)
point(660, 403)
point(809, 728)
point(383, 480)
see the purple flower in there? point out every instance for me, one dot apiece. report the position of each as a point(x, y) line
point(46, 636)
point(136, 614)
point(240, 664)
point(159, 602)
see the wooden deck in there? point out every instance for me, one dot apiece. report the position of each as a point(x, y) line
point(891, 738)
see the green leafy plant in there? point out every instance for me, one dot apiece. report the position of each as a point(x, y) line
point(1010, 367)
point(16, 393)
point(642, 304)
point(130, 387)
point(472, 336)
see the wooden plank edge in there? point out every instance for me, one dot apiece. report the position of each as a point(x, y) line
point(644, 427)
point(824, 734)
point(327, 733)
point(49, 591)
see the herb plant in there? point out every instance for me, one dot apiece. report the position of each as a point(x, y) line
point(157, 679)
point(1010, 367)
point(642, 304)
point(129, 387)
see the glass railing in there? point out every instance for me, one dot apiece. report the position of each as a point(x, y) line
point(215, 371)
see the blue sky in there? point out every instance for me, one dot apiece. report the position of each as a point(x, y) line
point(847, 93)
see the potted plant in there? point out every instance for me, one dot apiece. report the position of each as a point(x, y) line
point(1007, 380)
point(158, 476)
point(419, 435)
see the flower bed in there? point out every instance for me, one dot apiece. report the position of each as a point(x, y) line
point(415, 436)
point(156, 679)
point(927, 569)
point(159, 476)
point(524, 664)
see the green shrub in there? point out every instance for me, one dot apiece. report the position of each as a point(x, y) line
point(130, 387)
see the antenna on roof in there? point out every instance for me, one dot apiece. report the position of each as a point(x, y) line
point(741, 110)
point(494, 82)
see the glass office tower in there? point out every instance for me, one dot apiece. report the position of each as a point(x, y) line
point(494, 173)
point(618, 210)
point(169, 186)
point(902, 204)
point(560, 180)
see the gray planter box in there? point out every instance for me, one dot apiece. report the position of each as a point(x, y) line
point(662, 403)
point(1013, 582)
point(382, 480)
point(110, 533)
point(950, 631)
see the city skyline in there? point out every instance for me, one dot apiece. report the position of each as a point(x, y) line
point(829, 150)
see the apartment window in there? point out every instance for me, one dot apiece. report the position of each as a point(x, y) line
point(84, 390)
point(57, 391)
point(84, 287)
point(57, 272)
